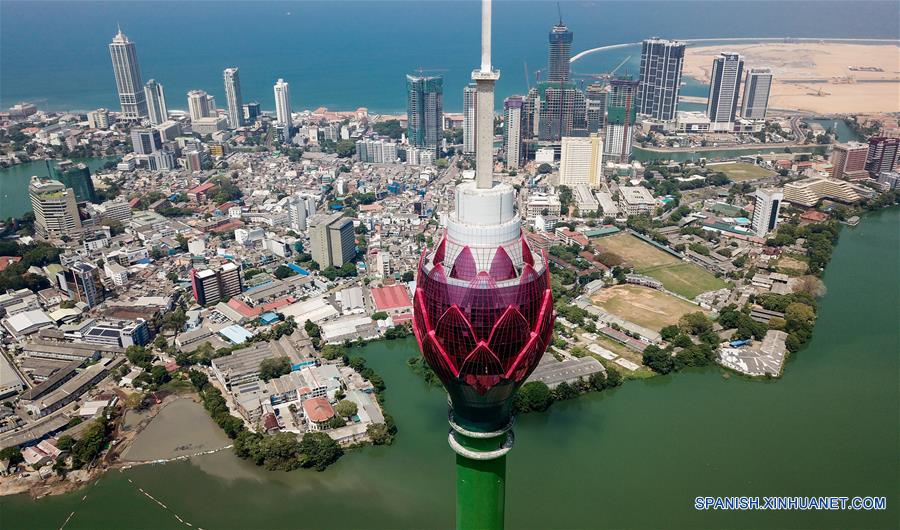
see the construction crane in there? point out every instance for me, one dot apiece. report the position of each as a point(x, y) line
point(620, 65)
point(421, 69)
point(527, 80)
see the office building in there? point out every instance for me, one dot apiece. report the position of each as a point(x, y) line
point(469, 98)
point(660, 78)
point(98, 119)
point(251, 112)
point(581, 161)
point(425, 112)
point(82, 282)
point(558, 68)
point(297, 214)
point(757, 87)
point(55, 209)
point(621, 113)
point(233, 98)
point(884, 154)
point(156, 102)
point(595, 106)
point(145, 141)
point(198, 105)
point(77, 177)
point(128, 77)
point(332, 240)
point(848, 161)
point(211, 286)
point(512, 131)
point(283, 104)
point(767, 203)
point(724, 86)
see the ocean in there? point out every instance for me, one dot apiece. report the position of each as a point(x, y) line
point(344, 55)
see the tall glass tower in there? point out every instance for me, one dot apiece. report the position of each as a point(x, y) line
point(128, 77)
point(660, 79)
point(483, 316)
point(724, 85)
point(233, 98)
point(560, 53)
point(156, 102)
point(425, 111)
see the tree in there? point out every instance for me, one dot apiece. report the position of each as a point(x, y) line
point(318, 450)
point(695, 323)
point(534, 395)
point(274, 367)
point(543, 169)
point(598, 381)
point(345, 408)
point(65, 443)
point(159, 375)
point(379, 315)
point(810, 285)
point(669, 332)
point(283, 271)
point(379, 434)
point(565, 391)
point(139, 356)
point(613, 377)
point(658, 359)
point(13, 455)
point(345, 148)
point(407, 276)
point(389, 128)
point(312, 329)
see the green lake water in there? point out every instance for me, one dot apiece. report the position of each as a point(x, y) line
point(634, 457)
point(14, 180)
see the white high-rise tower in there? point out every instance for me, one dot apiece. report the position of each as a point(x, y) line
point(283, 103)
point(156, 102)
point(233, 98)
point(128, 77)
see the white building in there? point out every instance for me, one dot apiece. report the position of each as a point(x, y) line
point(469, 114)
point(765, 210)
point(283, 103)
point(156, 102)
point(724, 87)
point(198, 105)
point(581, 161)
point(635, 200)
point(756, 93)
point(128, 77)
point(233, 97)
point(98, 119)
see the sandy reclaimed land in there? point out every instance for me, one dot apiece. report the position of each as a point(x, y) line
point(181, 428)
point(816, 77)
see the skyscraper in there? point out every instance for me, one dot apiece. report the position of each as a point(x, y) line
point(283, 103)
point(558, 68)
point(512, 131)
point(621, 113)
point(581, 161)
point(55, 210)
point(660, 78)
point(425, 111)
point(482, 316)
point(469, 97)
point(561, 110)
point(156, 102)
point(198, 105)
point(767, 203)
point(77, 177)
point(595, 106)
point(756, 93)
point(128, 77)
point(724, 86)
point(884, 154)
point(233, 97)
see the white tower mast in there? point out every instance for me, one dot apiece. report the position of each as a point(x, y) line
point(484, 78)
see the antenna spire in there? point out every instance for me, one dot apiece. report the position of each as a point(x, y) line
point(559, 10)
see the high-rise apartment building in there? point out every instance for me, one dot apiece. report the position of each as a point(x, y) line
point(425, 111)
point(581, 161)
point(198, 105)
point(55, 209)
point(555, 111)
point(145, 141)
point(767, 203)
point(621, 113)
point(297, 214)
point(283, 103)
point(848, 161)
point(233, 98)
point(558, 68)
point(376, 151)
point(128, 77)
point(469, 98)
point(724, 86)
point(884, 154)
point(595, 106)
point(156, 102)
point(512, 131)
point(757, 86)
point(660, 78)
point(213, 285)
point(332, 240)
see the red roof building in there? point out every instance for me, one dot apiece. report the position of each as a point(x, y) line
point(392, 298)
point(318, 411)
point(811, 216)
point(6, 261)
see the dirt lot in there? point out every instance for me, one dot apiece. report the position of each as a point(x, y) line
point(739, 171)
point(644, 306)
point(636, 252)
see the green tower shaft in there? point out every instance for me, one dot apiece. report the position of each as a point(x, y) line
point(480, 476)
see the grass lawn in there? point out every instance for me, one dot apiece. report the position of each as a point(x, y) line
point(738, 171)
point(686, 279)
point(638, 253)
point(644, 306)
point(792, 265)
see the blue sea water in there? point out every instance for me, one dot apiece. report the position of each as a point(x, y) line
point(348, 54)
